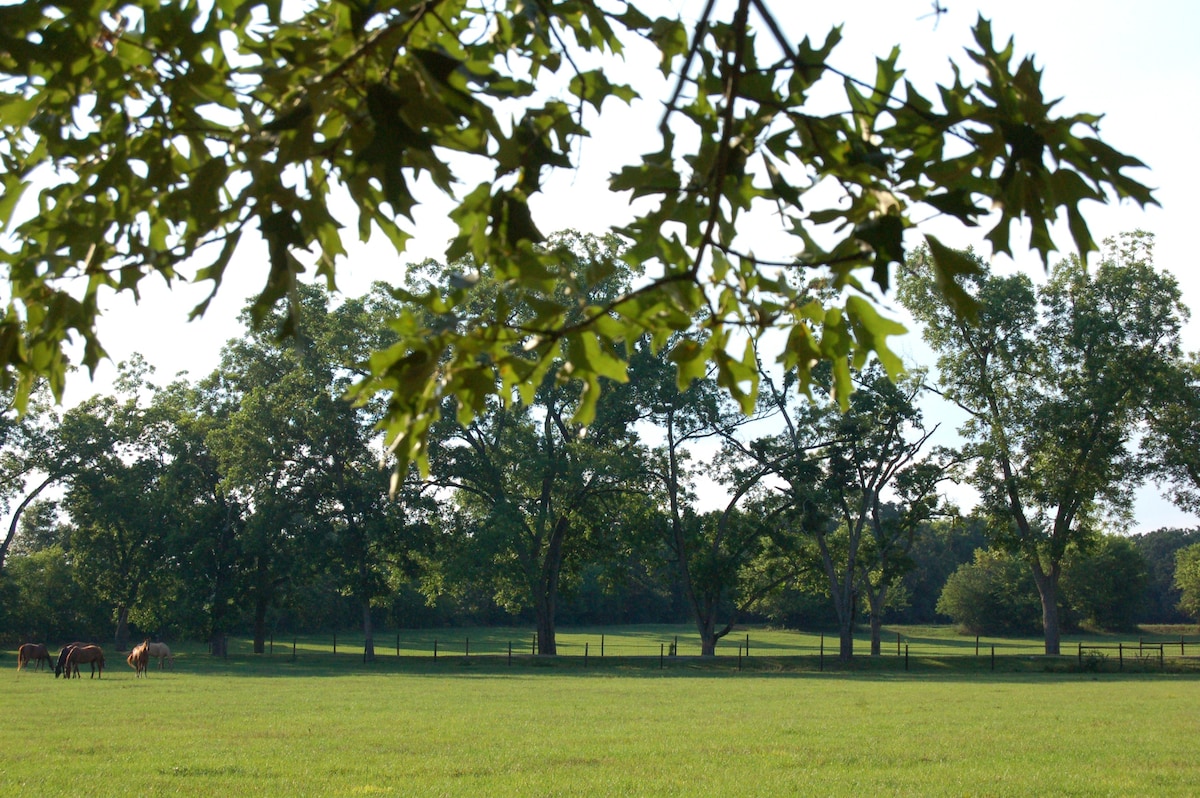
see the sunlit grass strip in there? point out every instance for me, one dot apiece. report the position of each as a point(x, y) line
point(238, 727)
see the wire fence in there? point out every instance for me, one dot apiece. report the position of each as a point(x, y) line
point(518, 646)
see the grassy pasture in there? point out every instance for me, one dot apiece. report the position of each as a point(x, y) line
point(325, 725)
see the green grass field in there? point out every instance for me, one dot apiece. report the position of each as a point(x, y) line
point(326, 725)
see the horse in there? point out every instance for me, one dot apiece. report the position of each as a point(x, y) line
point(32, 651)
point(61, 663)
point(139, 658)
point(90, 654)
point(161, 651)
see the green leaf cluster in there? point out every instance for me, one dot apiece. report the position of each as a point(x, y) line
point(172, 132)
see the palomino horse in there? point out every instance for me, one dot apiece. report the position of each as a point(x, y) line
point(139, 658)
point(61, 663)
point(161, 651)
point(90, 654)
point(33, 651)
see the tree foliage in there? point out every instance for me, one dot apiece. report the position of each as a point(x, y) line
point(1172, 442)
point(1105, 586)
point(160, 138)
point(993, 594)
point(1187, 579)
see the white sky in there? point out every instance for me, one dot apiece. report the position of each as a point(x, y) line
point(1138, 64)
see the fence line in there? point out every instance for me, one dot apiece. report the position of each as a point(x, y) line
point(667, 648)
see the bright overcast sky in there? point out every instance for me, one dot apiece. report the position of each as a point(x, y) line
point(1138, 64)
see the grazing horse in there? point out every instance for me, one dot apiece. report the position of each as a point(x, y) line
point(161, 651)
point(90, 654)
point(139, 658)
point(33, 651)
point(61, 663)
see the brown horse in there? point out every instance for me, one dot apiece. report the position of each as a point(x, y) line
point(161, 651)
point(139, 658)
point(32, 651)
point(89, 654)
point(61, 663)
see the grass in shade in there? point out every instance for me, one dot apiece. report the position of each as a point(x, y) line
point(326, 725)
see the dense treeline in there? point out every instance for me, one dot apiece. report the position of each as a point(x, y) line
point(257, 499)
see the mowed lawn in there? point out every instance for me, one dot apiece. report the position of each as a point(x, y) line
point(267, 726)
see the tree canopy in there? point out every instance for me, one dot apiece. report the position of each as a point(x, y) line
point(157, 139)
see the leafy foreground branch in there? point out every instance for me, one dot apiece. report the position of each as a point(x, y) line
point(164, 134)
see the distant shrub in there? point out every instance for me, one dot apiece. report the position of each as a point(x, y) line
point(993, 594)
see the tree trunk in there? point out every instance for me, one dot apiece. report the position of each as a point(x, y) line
point(546, 644)
point(1047, 585)
point(845, 606)
point(846, 642)
point(121, 642)
point(368, 633)
point(708, 636)
point(260, 625)
point(547, 590)
point(875, 599)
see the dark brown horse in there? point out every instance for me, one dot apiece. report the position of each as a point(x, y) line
point(139, 658)
point(61, 663)
point(89, 654)
point(30, 652)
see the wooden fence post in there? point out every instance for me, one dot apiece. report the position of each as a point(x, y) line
point(435, 649)
point(397, 645)
point(510, 653)
point(661, 647)
point(585, 654)
point(293, 649)
point(601, 645)
point(1120, 656)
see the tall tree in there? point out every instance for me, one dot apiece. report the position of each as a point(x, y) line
point(528, 479)
point(1054, 383)
point(118, 506)
point(166, 133)
point(208, 518)
point(301, 461)
point(876, 447)
point(712, 552)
